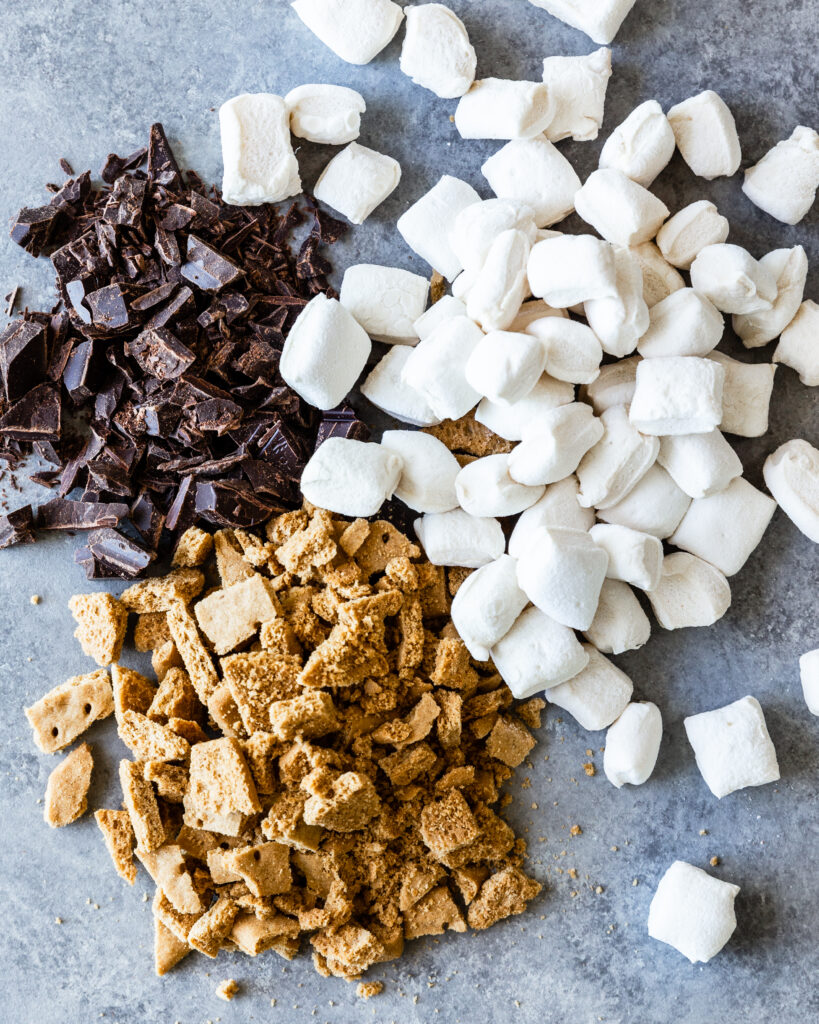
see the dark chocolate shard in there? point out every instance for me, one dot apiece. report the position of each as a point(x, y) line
point(117, 554)
point(77, 295)
point(172, 309)
point(167, 247)
point(148, 518)
point(342, 422)
point(78, 375)
point(73, 193)
point(115, 165)
point(162, 166)
point(109, 308)
point(22, 357)
point(182, 510)
point(124, 206)
point(153, 297)
point(35, 417)
point(160, 353)
point(33, 228)
point(176, 216)
point(233, 503)
point(64, 514)
point(108, 480)
point(207, 268)
point(17, 527)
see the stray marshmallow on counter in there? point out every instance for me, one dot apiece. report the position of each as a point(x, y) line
point(501, 284)
point(792, 476)
point(505, 366)
point(553, 448)
point(478, 225)
point(699, 464)
point(732, 279)
point(640, 146)
point(619, 624)
point(486, 606)
point(355, 30)
point(654, 505)
point(436, 368)
point(618, 208)
point(691, 592)
point(386, 301)
point(537, 653)
point(485, 488)
point(693, 912)
point(259, 163)
point(577, 86)
point(614, 386)
point(617, 462)
point(511, 421)
point(601, 19)
point(632, 745)
point(436, 53)
point(327, 114)
point(684, 235)
point(562, 574)
point(677, 395)
point(619, 321)
point(571, 269)
point(685, 323)
point(660, 279)
point(785, 180)
point(351, 478)
point(746, 395)
point(496, 108)
point(809, 675)
point(597, 695)
point(458, 539)
point(426, 225)
point(427, 482)
point(789, 268)
point(572, 350)
point(798, 346)
point(535, 172)
point(386, 389)
point(558, 507)
point(356, 181)
point(706, 135)
point(634, 557)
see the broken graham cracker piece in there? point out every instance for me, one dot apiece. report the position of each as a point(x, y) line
point(503, 894)
point(168, 869)
point(448, 824)
point(171, 780)
point(230, 616)
point(368, 989)
point(160, 593)
point(253, 935)
point(433, 914)
point(349, 951)
point(310, 548)
point(195, 657)
point(257, 680)
point(384, 542)
point(140, 803)
point(510, 741)
point(66, 795)
point(230, 560)
point(101, 625)
point(178, 924)
point(193, 548)
point(151, 631)
point(168, 949)
point(210, 930)
point(175, 697)
point(353, 536)
point(342, 803)
point(149, 741)
point(165, 658)
point(529, 712)
point(220, 780)
point(278, 637)
point(65, 712)
point(469, 437)
point(285, 823)
point(264, 868)
point(132, 691)
point(118, 834)
point(311, 714)
point(404, 766)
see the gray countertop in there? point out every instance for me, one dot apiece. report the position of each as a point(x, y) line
point(79, 80)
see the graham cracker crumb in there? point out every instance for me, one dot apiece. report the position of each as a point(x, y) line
point(227, 989)
point(368, 989)
point(194, 548)
point(35, 599)
point(589, 768)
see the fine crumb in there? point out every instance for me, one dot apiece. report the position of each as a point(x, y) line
point(589, 768)
point(576, 830)
point(35, 599)
point(227, 990)
point(714, 861)
point(368, 989)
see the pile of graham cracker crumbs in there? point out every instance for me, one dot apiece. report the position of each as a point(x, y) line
point(319, 757)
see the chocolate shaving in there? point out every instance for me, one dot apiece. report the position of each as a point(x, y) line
point(17, 527)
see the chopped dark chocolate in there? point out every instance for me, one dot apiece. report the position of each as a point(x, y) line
point(160, 353)
point(64, 514)
point(233, 503)
point(109, 310)
point(22, 357)
point(17, 527)
point(118, 554)
point(35, 417)
point(207, 268)
point(342, 422)
point(34, 228)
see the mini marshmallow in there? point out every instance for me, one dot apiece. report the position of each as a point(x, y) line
point(799, 344)
point(350, 478)
point(536, 173)
point(809, 675)
point(706, 135)
point(619, 321)
point(478, 225)
point(445, 308)
point(618, 208)
point(688, 232)
point(634, 557)
point(732, 279)
point(385, 388)
point(685, 323)
point(789, 268)
point(557, 508)
point(533, 310)
point(577, 86)
point(660, 279)
point(785, 180)
point(386, 301)
point(562, 574)
point(462, 284)
point(655, 505)
point(327, 114)
point(746, 395)
point(486, 606)
point(437, 54)
point(512, 421)
point(501, 284)
point(324, 353)
point(792, 476)
point(485, 488)
point(355, 30)
point(619, 624)
point(732, 747)
point(597, 695)
point(617, 462)
point(699, 464)
point(693, 912)
point(427, 482)
point(537, 653)
point(552, 450)
point(505, 366)
point(426, 225)
point(259, 163)
point(677, 395)
point(632, 745)
point(601, 20)
point(572, 350)
point(436, 368)
point(458, 539)
point(356, 181)
point(614, 386)
point(496, 108)
point(691, 592)
point(571, 269)
point(640, 146)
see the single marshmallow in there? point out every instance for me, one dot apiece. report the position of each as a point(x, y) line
point(571, 269)
point(619, 624)
point(350, 478)
point(537, 653)
point(597, 695)
point(577, 86)
point(634, 557)
point(706, 135)
point(618, 208)
point(447, 306)
point(512, 421)
point(485, 488)
point(356, 181)
point(632, 745)
point(746, 395)
point(640, 146)
point(693, 912)
point(691, 592)
point(535, 309)
point(699, 464)
point(601, 20)
point(688, 232)
point(572, 350)
point(614, 386)
point(620, 320)
point(478, 225)
point(386, 301)
point(732, 279)
point(660, 279)
point(355, 30)
point(436, 368)
point(259, 163)
point(792, 476)
point(799, 344)
point(536, 173)
point(654, 505)
point(552, 449)
point(809, 674)
point(427, 482)
point(425, 226)
point(790, 271)
point(558, 508)
point(385, 388)
point(501, 284)
point(617, 462)
point(496, 108)
point(324, 353)
point(562, 574)
point(785, 180)
point(458, 539)
point(486, 606)
point(505, 366)
point(685, 323)
point(437, 53)
point(327, 114)
point(677, 395)
point(462, 284)
point(732, 747)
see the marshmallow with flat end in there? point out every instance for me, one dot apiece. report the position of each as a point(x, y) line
point(792, 476)
point(600, 19)
point(327, 114)
point(790, 271)
point(562, 574)
point(640, 146)
point(436, 368)
point(620, 320)
point(809, 674)
point(533, 310)
point(447, 306)
point(478, 225)
point(732, 279)
point(699, 464)
point(577, 86)
point(462, 283)
point(437, 53)
point(558, 508)
point(785, 180)
point(614, 386)
point(597, 695)
point(619, 624)
point(685, 323)
point(501, 284)
point(684, 235)
point(505, 366)
point(654, 505)
point(571, 269)
point(746, 395)
point(660, 279)
point(355, 30)
point(799, 344)
point(324, 353)
point(356, 181)
point(634, 557)
point(572, 350)
point(691, 592)
point(486, 606)
point(351, 478)
point(677, 395)
point(537, 653)
point(535, 172)
point(693, 912)
point(485, 488)
point(427, 482)
point(618, 208)
point(385, 388)
point(458, 539)
point(706, 135)
point(552, 449)
point(497, 108)
point(617, 462)
point(259, 163)
point(632, 745)
point(425, 226)
point(386, 301)
point(511, 421)
point(732, 747)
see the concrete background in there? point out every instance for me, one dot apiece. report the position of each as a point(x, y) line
point(79, 80)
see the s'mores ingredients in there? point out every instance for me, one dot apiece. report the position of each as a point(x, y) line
point(809, 674)
point(620, 320)
point(428, 470)
point(436, 52)
point(577, 86)
point(259, 163)
point(457, 538)
point(101, 624)
point(505, 366)
point(685, 323)
point(64, 713)
point(427, 224)
point(746, 395)
point(693, 912)
point(351, 477)
point(684, 235)
point(622, 211)
point(699, 464)
point(619, 624)
point(552, 449)
point(601, 20)
point(386, 389)
point(784, 182)
point(385, 301)
point(640, 146)
point(691, 592)
point(732, 279)
point(511, 420)
point(562, 575)
point(496, 108)
point(617, 462)
point(66, 795)
point(485, 487)
point(798, 346)
point(572, 350)
point(436, 368)
point(597, 695)
point(706, 135)
point(355, 30)
point(329, 114)
point(654, 505)
point(356, 181)
point(677, 395)
point(632, 744)
point(789, 268)
point(537, 653)
point(487, 604)
point(535, 172)
point(634, 557)
point(792, 476)
point(571, 269)
point(477, 226)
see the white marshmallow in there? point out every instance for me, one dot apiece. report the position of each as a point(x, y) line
point(693, 912)
point(699, 464)
point(732, 279)
point(634, 557)
point(660, 279)
point(355, 30)
point(572, 350)
point(789, 268)
point(601, 20)
point(536, 173)
point(632, 745)
point(706, 135)
point(746, 395)
point(620, 320)
point(385, 388)
point(485, 488)
point(809, 675)
point(618, 208)
point(386, 301)
point(447, 306)
point(533, 310)
point(619, 459)
point(436, 368)
point(614, 386)
point(785, 180)
point(478, 225)
point(511, 421)
point(577, 86)
point(799, 344)
point(496, 108)
point(682, 237)
point(356, 181)
point(792, 476)
point(597, 695)
point(327, 114)
point(677, 395)
point(426, 225)
point(562, 574)
point(324, 353)
point(486, 606)
point(537, 653)
point(640, 146)
point(619, 624)
point(732, 747)
point(462, 284)
point(691, 592)
point(259, 163)
point(505, 366)
point(501, 284)
point(350, 478)
point(437, 53)
point(654, 505)
point(552, 450)
point(458, 539)
point(685, 323)
point(427, 482)
point(557, 508)
point(571, 269)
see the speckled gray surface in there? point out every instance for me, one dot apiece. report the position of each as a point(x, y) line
point(78, 80)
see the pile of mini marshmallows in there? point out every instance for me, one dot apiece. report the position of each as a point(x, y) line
point(600, 478)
